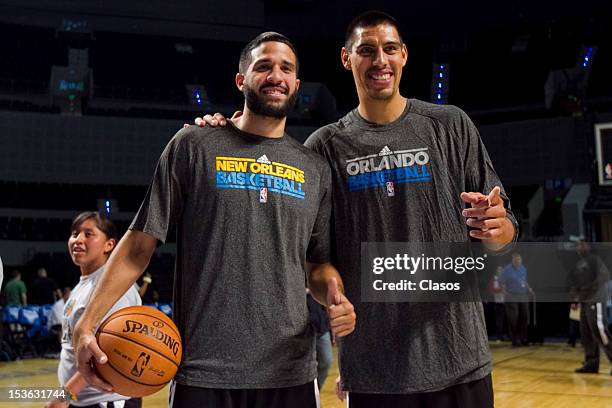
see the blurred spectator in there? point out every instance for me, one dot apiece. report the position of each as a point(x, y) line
point(54, 322)
point(588, 285)
point(516, 296)
point(146, 281)
point(44, 290)
point(16, 290)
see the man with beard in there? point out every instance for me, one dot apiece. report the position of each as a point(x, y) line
point(405, 355)
point(250, 206)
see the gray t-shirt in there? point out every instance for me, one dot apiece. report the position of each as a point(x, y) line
point(402, 182)
point(248, 212)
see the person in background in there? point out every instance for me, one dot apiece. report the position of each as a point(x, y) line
point(15, 289)
point(54, 321)
point(44, 290)
point(516, 296)
point(92, 239)
point(146, 282)
point(144, 286)
point(588, 285)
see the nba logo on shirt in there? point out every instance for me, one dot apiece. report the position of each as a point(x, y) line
point(390, 189)
point(263, 195)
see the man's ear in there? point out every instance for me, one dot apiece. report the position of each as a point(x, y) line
point(344, 57)
point(297, 85)
point(239, 81)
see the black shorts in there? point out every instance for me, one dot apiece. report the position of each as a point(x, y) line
point(300, 396)
point(475, 394)
point(131, 403)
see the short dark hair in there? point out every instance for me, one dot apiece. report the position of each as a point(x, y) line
point(369, 19)
point(103, 223)
point(15, 273)
point(268, 36)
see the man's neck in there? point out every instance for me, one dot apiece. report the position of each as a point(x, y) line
point(383, 111)
point(260, 125)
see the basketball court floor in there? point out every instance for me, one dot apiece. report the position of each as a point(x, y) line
point(531, 377)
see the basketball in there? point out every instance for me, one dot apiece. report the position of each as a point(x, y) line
point(144, 350)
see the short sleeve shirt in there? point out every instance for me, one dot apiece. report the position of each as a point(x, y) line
point(401, 182)
point(14, 289)
point(514, 279)
point(248, 211)
point(73, 310)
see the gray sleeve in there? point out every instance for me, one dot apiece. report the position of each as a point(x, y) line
point(318, 250)
point(311, 141)
point(163, 204)
point(1, 272)
point(315, 141)
point(480, 174)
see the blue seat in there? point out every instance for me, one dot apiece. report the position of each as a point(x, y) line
point(165, 308)
point(35, 308)
point(24, 328)
point(29, 317)
point(11, 314)
point(44, 312)
point(46, 309)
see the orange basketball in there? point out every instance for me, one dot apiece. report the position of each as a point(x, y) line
point(144, 350)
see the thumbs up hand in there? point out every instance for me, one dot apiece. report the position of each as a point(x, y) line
point(333, 292)
point(341, 313)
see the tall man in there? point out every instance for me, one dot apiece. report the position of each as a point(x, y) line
point(407, 354)
point(251, 206)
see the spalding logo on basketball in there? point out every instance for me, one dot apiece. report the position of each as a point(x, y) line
point(144, 350)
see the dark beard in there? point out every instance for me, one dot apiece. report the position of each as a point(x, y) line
point(262, 109)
